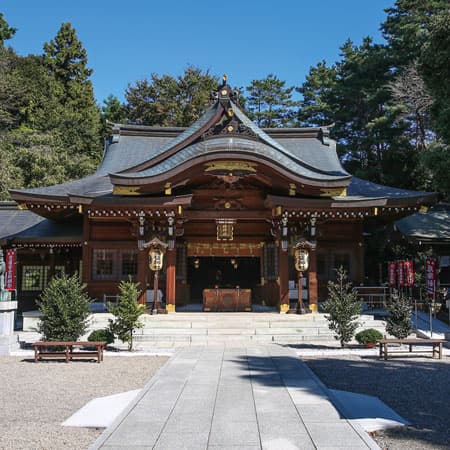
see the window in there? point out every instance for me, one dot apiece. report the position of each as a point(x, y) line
point(34, 278)
point(128, 263)
point(111, 264)
point(103, 264)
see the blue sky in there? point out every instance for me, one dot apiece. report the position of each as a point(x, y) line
point(247, 39)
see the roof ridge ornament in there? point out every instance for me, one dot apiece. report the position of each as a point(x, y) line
point(224, 93)
point(325, 133)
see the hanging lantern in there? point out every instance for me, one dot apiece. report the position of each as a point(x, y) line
point(156, 252)
point(301, 256)
point(196, 263)
point(156, 258)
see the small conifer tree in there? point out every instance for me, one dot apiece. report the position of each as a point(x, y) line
point(65, 309)
point(126, 312)
point(398, 324)
point(342, 307)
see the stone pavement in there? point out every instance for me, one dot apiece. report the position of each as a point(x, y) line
point(256, 397)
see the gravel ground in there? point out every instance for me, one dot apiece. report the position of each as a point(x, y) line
point(36, 398)
point(416, 388)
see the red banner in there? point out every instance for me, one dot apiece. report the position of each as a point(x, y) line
point(392, 267)
point(430, 268)
point(409, 273)
point(401, 273)
point(10, 274)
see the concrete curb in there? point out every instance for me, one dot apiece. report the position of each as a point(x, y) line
point(107, 433)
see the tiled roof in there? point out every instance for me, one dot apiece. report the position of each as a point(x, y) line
point(236, 144)
point(24, 224)
point(364, 188)
point(433, 224)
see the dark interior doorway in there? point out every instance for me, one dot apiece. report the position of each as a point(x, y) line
point(224, 272)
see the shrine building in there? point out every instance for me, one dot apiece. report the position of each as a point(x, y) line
point(230, 200)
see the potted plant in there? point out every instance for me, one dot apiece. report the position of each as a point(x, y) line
point(369, 337)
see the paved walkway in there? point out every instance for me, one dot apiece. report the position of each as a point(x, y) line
point(244, 399)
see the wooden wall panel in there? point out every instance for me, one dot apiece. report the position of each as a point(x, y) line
point(111, 231)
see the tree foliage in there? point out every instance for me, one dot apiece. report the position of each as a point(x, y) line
point(407, 25)
point(269, 102)
point(113, 110)
point(170, 101)
point(6, 31)
point(78, 116)
point(65, 309)
point(435, 68)
point(398, 324)
point(342, 308)
point(126, 312)
point(50, 125)
point(317, 108)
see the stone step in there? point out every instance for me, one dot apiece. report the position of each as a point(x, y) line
point(162, 340)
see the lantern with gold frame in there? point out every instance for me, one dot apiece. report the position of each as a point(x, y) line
point(156, 251)
point(301, 263)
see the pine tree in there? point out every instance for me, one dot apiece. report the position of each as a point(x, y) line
point(6, 32)
point(113, 110)
point(342, 308)
point(77, 116)
point(126, 312)
point(398, 324)
point(168, 101)
point(317, 107)
point(269, 103)
point(65, 309)
point(407, 26)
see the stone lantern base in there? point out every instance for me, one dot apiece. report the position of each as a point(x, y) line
point(8, 341)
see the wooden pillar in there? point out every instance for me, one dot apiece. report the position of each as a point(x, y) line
point(142, 275)
point(312, 280)
point(52, 263)
point(171, 279)
point(86, 253)
point(283, 279)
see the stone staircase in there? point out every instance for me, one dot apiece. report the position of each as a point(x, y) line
point(181, 329)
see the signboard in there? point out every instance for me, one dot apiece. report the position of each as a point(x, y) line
point(392, 266)
point(430, 269)
point(10, 273)
point(409, 273)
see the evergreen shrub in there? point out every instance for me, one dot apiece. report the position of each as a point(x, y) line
point(342, 308)
point(369, 336)
point(103, 335)
point(65, 308)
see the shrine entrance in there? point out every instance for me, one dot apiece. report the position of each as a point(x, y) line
point(231, 272)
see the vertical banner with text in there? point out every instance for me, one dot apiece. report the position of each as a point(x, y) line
point(392, 274)
point(430, 268)
point(10, 275)
point(401, 273)
point(409, 273)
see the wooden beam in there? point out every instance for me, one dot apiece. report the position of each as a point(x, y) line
point(226, 214)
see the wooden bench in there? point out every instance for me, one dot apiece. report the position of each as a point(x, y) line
point(417, 342)
point(49, 349)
